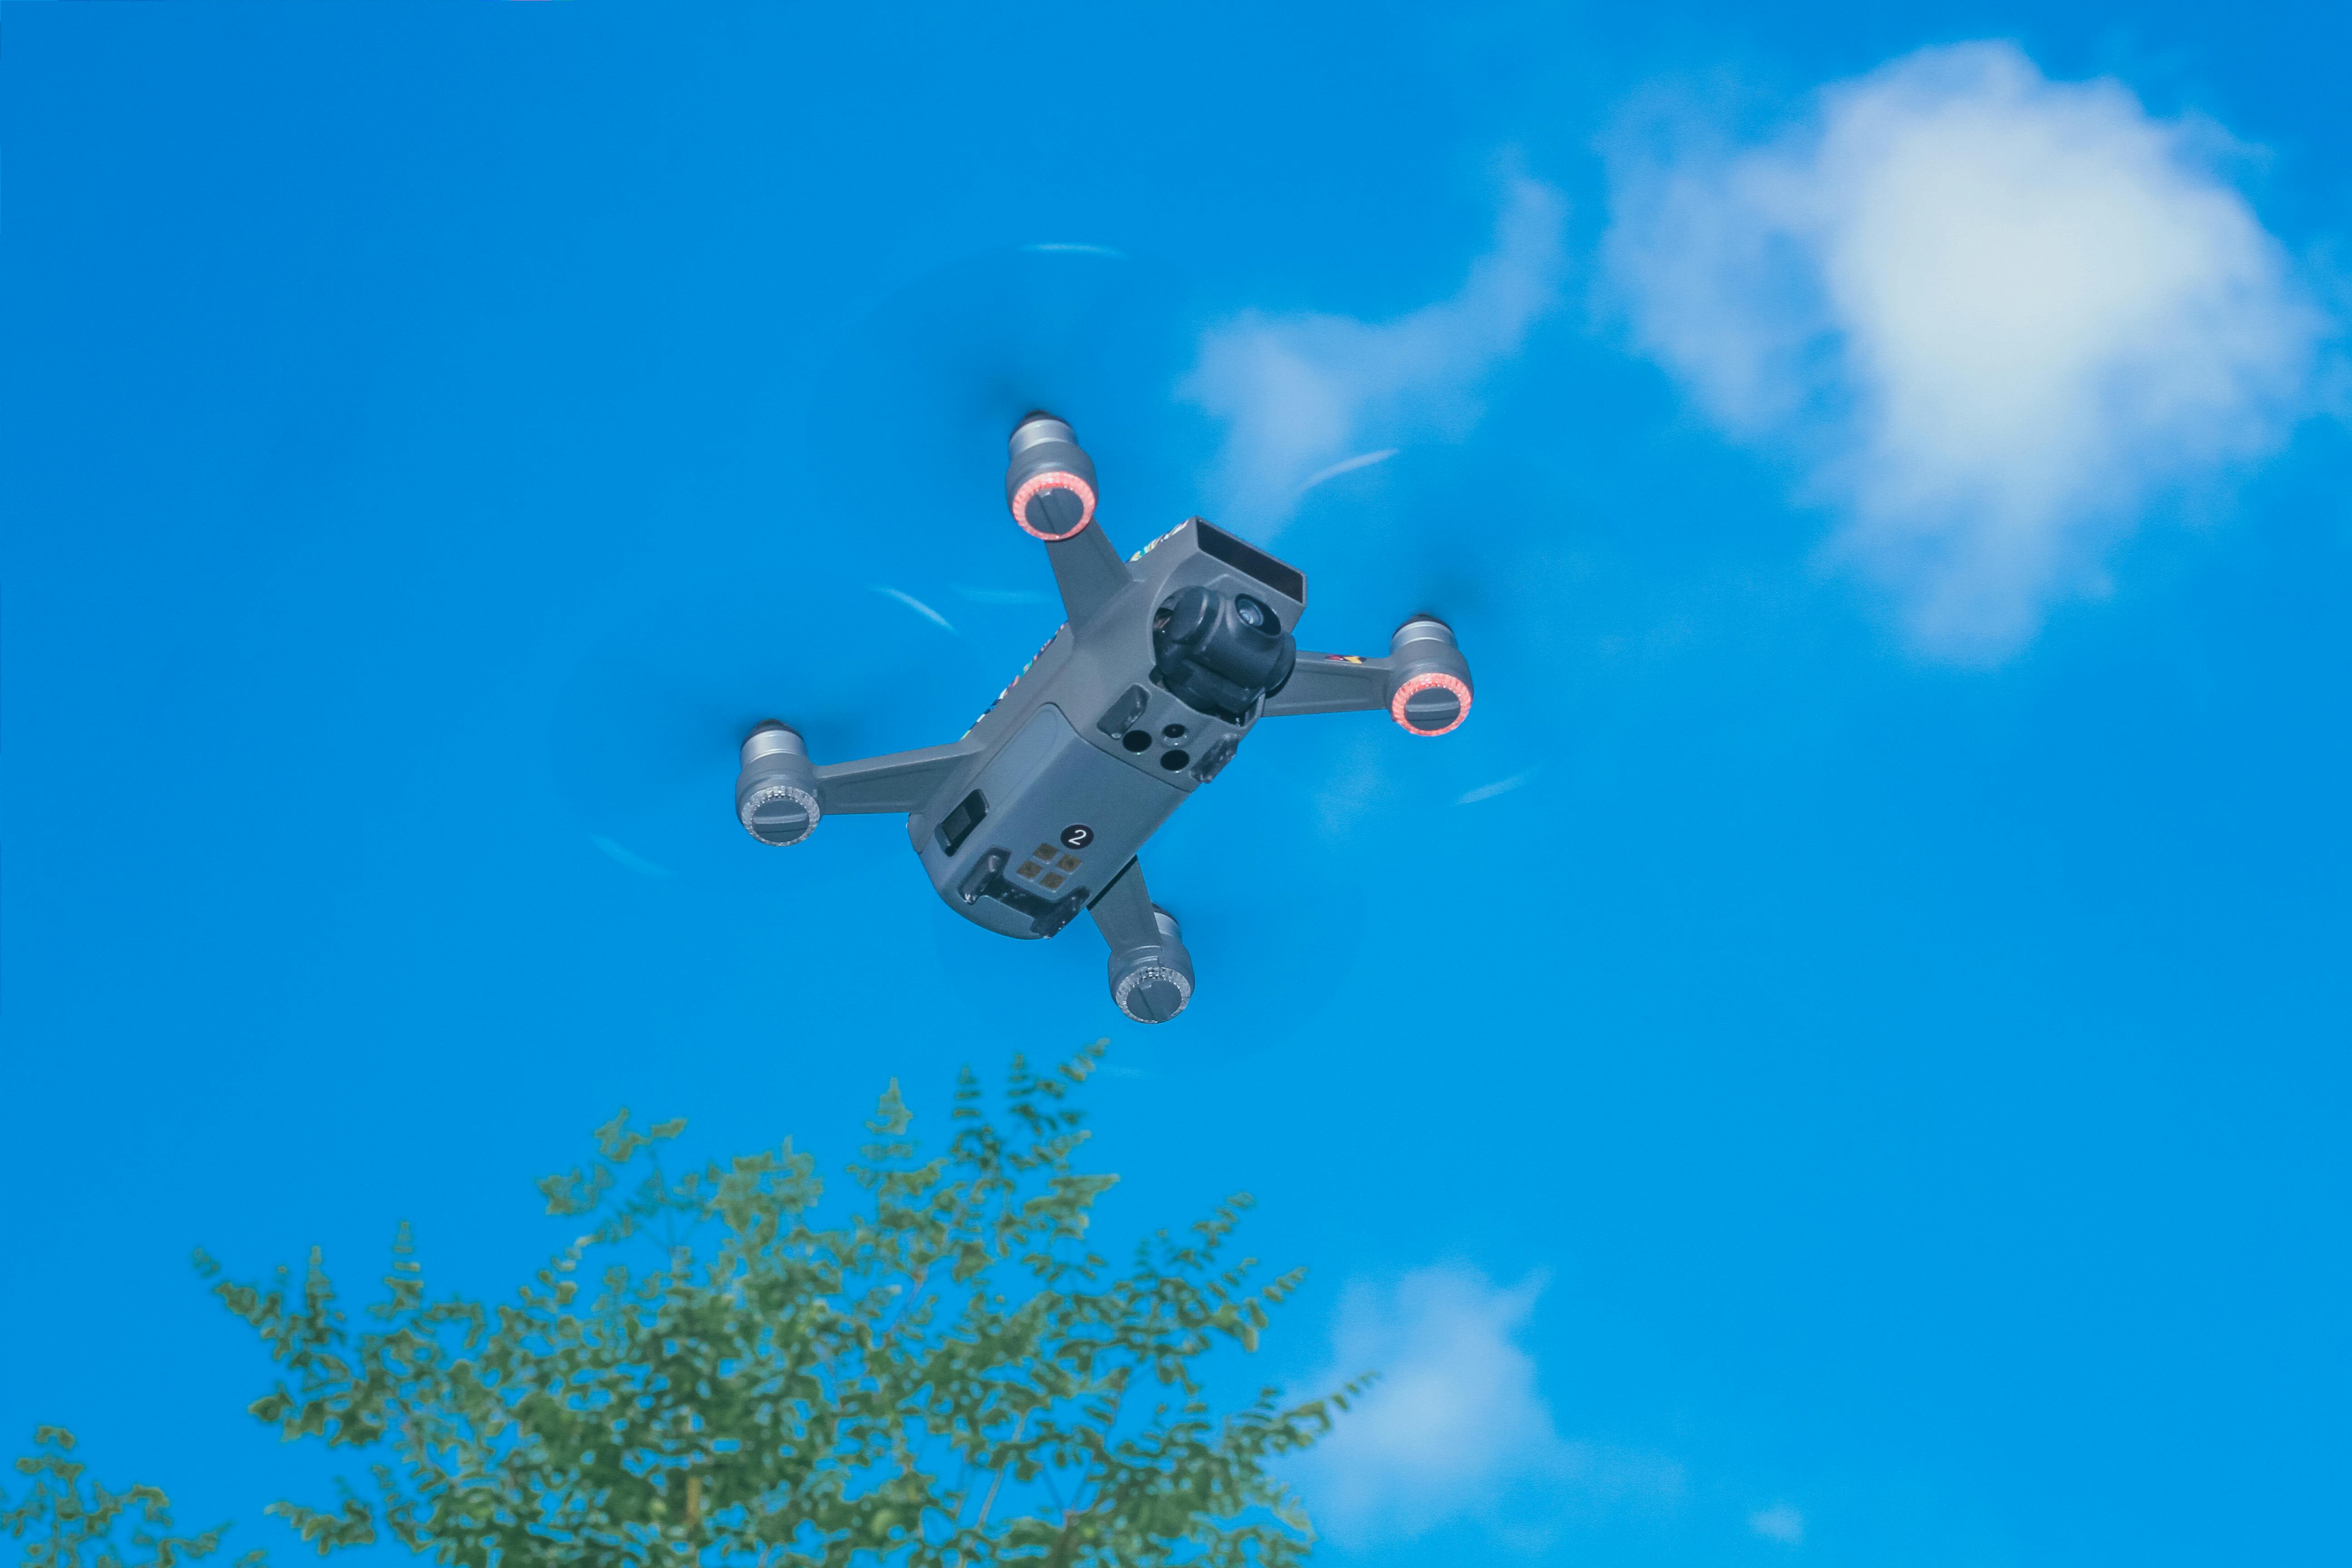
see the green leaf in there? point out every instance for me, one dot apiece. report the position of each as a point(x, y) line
point(937, 1372)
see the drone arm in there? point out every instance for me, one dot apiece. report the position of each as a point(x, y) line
point(1424, 681)
point(1123, 911)
point(901, 781)
point(1331, 683)
point(1089, 571)
point(1049, 483)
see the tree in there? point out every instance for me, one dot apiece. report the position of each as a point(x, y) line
point(948, 1378)
point(66, 1525)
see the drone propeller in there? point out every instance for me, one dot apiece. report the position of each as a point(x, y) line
point(1410, 534)
point(647, 726)
point(893, 595)
point(926, 389)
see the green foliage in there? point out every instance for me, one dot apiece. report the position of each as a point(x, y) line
point(64, 1525)
point(948, 1378)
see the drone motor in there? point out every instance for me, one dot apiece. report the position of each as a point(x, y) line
point(1429, 689)
point(1050, 481)
point(1152, 983)
point(776, 790)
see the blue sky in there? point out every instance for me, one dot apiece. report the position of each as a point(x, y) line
point(1838, 1061)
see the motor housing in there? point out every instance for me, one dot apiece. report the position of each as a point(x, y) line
point(1049, 480)
point(1152, 983)
point(1429, 681)
point(775, 789)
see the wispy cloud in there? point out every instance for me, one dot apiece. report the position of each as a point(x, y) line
point(1356, 786)
point(915, 605)
point(1779, 1522)
point(1994, 314)
point(1455, 1427)
point(1299, 392)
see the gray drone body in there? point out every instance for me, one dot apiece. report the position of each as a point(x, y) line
point(1167, 660)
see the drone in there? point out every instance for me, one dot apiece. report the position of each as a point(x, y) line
point(1169, 658)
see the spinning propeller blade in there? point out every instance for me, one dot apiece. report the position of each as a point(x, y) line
point(909, 420)
point(893, 596)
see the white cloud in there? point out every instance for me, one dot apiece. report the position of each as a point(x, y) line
point(1995, 313)
point(1779, 1522)
point(1302, 395)
point(1455, 1427)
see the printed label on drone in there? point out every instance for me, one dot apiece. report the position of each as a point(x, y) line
point(1077, 836)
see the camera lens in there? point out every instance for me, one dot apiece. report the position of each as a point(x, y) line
point(1137, 740)
point(1249, 611)
point(1174, 731)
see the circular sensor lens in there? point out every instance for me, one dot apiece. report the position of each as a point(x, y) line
point(1175, 761)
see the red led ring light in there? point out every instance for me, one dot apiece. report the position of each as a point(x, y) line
point(1420, 683)
point(1053, 480)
